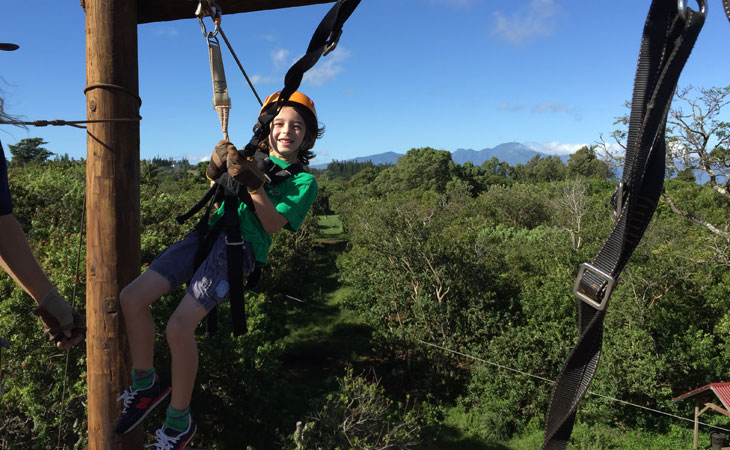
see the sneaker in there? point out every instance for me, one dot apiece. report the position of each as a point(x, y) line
point(169, 439)
point(138, 403)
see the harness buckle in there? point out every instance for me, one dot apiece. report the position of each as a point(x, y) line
point(330, 45)
point(617, 199)
point(682, 8)
point(583, 296)
point(241, 242)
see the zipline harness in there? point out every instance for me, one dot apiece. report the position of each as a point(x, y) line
point(323, 41)
point(670, 32)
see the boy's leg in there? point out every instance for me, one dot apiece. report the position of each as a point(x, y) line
point(184, 350)
point(135, 300)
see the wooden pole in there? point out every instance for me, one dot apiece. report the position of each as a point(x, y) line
point(112, 186)
point(697, 427)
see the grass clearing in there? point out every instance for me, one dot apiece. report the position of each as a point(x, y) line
point(330, 225)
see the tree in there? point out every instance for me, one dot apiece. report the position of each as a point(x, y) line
point(29, 150)
point(539, 169)
point(585, 163)
point(425, 169)
point(697, 141)
point(698, 138)
point(361, 416)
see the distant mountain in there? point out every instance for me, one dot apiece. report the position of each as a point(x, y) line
point(380, 158)
point(510, 152)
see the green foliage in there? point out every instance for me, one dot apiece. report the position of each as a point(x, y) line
point(48, 202)
point(44, 401)
point(360, 416)
point(29, 150)
point(424, 169)
point(585, 163)
point(474, 259)
point(348, 169)
point(539, 170)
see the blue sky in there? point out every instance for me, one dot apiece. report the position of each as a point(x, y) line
point(447, 74)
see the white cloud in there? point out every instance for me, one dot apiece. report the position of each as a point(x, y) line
point(553, 108)
point(327, 67)
point(195, 159)
point(533, 20)
point(165, 30)
point(262, 79)
point(554, 147)
point(506, 106)
point(280, 58)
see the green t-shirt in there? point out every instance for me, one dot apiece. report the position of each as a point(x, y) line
point(292, 198)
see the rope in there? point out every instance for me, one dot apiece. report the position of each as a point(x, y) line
point(240, 66)
point(73, 305)
point(114, 87)
point(60, 122)
point(613, 399)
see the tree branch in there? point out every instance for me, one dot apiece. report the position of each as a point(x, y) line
point(713, 229)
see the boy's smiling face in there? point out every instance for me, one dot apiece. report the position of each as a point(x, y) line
point(287, 134)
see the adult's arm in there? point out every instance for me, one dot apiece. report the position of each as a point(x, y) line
point(18, 261)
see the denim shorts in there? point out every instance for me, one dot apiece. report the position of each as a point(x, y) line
point(209, 284)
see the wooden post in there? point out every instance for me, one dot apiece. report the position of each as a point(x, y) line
point(112, 206)
point(697, 427)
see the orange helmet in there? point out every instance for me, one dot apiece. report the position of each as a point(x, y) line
point(303, 104)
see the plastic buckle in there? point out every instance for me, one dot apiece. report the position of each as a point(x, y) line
point(610, 282)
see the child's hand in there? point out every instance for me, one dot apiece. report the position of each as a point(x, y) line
point(217, 163)
point(244, 170)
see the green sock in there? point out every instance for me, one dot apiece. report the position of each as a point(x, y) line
point(177, 419)
point(142, 379)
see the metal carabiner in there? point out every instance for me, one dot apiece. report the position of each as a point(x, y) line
point(682, 8)
point(212, 8)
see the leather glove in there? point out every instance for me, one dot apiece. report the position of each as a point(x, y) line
point(244, 170)
point(217, 164)
point(65, 326)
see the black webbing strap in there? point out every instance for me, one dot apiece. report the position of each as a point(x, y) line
point(323, 41)
point(234, 257)
point(669, 35)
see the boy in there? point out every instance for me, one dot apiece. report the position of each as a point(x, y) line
point(293, 132)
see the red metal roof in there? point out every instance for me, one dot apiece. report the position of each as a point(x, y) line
point(719, 390)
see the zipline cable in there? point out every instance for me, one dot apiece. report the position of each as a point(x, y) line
point(521, 372)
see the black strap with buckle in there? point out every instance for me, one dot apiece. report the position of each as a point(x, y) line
point(669, 35)
point(324, 40)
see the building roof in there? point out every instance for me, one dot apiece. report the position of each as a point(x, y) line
point(707, 392)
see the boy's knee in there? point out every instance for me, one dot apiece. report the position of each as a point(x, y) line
point(176, 331)
point(129, 301)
